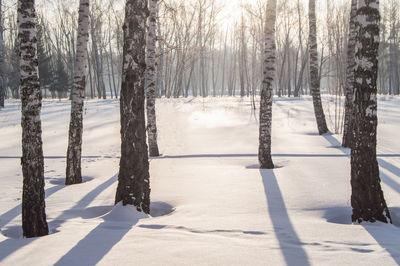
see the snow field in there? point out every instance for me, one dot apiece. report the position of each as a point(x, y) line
point(210, 203)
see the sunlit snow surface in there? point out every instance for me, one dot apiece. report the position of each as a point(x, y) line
point(211, 205)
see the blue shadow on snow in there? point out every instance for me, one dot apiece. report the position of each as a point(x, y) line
point(290, 244)
point(91, 249)
point(9, 246)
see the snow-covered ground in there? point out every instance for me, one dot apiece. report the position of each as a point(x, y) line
point(210, 203)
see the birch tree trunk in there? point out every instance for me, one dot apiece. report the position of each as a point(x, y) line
point(92, 90)
point(160, 65)
point(151, 79)
point(97, 67)
point(33, 204)
point(367, 197)
point(102, 71)
point(74, 173)
point(2, 82)
point(111, 60)
point(133, 179)
point(349, 90)
point(264, 149)
point(314, 77)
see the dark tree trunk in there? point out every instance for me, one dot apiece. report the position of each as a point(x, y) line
point(351, 49)
point(264, 149)
point(314, 77)
point(367, 197)
point(33, 205)
point(74, 174)
point(133, 179)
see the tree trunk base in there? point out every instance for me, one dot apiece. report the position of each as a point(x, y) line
point(268, 164)
point(153, 151)
point(323, 129)
point(345, 145)
point(73, 180)
point(73, 171)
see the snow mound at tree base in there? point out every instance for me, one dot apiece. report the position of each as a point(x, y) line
point(127, 213)
point(14, 232)
point(342, 215)
point(159, 208)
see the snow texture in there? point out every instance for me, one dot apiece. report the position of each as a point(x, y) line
point(210, 203)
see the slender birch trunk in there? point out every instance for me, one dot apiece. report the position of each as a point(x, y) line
point(223, 65)
point(160, 64)
point(264, 150)
point(33, 204)
point(102, 71)
point(2, 83)
point(74, 173)
point(97, 68)
point(109, 76)
point(151, 79)
point(314, 77)
point(349, 90)
point(92, 89)
point(133, 179)
point(367, 197)
point(112, 63)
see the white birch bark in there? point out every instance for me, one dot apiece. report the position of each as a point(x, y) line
point(73, 172)
point(351, 62)
point(314, 77)
point(2, 83)
point(264, 150)
point(160, 64)
point(33, 204)
point(151, 76)
point(367, 197)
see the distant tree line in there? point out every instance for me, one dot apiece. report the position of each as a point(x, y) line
point(195, 55)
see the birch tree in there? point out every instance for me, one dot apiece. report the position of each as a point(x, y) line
point(150, 76)
point(349, 90)
point(314, 77)
point(133, 179)
point(367, 197)
point(33, 204)
point(2, 81)
point(96, 37)
point(74, 173)
point(264, 150)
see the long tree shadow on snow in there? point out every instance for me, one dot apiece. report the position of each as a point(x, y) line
point(336, 144)
point(390, 167)
point(10, 245)
point(91, 249)
point(386, 238)
point(290, 244)
point(8, 216)
point(387, 179)
point(383, 235)
point(382, 163)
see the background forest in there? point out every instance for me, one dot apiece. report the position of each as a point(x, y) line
point(205, 48)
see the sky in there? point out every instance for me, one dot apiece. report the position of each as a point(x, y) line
point(233, 8)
